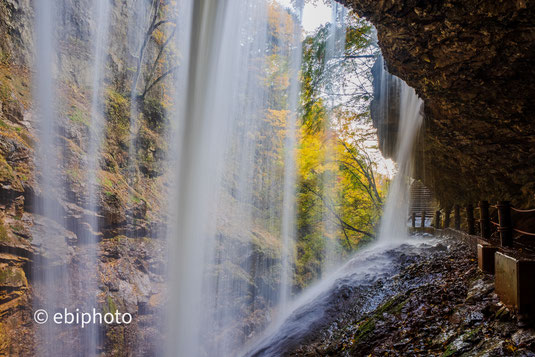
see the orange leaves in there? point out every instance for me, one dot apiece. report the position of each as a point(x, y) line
point(280, 22)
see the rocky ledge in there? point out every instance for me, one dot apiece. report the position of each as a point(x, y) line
point(446, 308)
point(415, 299)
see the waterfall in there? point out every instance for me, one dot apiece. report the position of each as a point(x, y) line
point(46, 159)
point(289, 189)
point(334, 53)
point(62, 281)
point(231, 163)
point(53, 287)
point(224, 201)
point(89, 281)
point(394, 220)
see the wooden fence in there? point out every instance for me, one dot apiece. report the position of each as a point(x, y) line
point(504, 226)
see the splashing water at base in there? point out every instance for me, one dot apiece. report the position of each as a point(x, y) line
point(316, 308)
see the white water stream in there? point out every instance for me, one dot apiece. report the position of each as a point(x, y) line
point(335, 49)
point(216, 277)
point(62, 284)
point(47, 162)
point(101, 11)
point(394, 220)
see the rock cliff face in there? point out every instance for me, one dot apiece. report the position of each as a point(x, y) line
point(473, 64)
point(16, 31)
point(131, 267)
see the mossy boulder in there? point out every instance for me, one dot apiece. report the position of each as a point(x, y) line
point(154, 112)
point(12, 277)
point(8, 179)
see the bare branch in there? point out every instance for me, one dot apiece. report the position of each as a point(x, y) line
point(343, 223)
point(148, 34)
point(155, 64)
point(365, 171)
point(159, 79)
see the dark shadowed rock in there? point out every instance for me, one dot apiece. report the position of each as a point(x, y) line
point(473, 64)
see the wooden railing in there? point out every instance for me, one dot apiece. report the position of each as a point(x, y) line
point(504, 225)
point(423, 215)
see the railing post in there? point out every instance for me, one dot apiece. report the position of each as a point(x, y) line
point(470, 221)
point(506, 224)
point(484, 219)
point(447, 213)
point(437, 220)
point(457, 216)
point(422, 223)
point(413, 219)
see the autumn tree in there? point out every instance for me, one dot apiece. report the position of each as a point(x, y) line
point(161, 30)
point(338, 184)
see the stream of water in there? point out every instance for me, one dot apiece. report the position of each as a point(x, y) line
point(62, 287)
point(396, 210)
point(47, 162)
point(89, 283)
point(317, 307)
point(335, 49)
point(232, 192)
point(216, 278)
